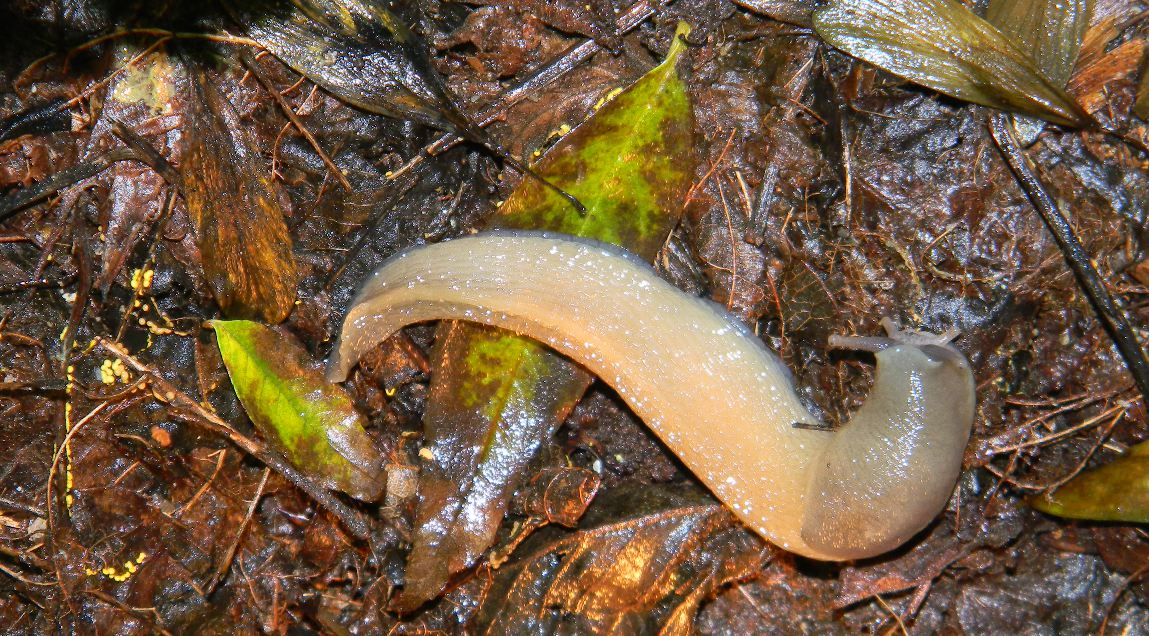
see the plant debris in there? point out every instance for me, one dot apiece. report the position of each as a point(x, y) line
point(151, 182)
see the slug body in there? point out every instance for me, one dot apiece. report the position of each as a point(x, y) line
point(703, 383)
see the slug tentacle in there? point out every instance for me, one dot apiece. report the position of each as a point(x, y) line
point(852, 493)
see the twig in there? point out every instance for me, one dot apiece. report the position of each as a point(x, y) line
point(1117, 597)
point(225, 565)
point(265, 81)
point(147, 614)
point(23, 198)
point(1110, 313)
point(356, 523)
point(576, 55)
point(207, 484)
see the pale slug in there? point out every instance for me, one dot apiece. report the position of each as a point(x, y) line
point(704, 384)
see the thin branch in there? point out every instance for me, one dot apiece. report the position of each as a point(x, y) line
point(265, 81)
point(1110, 313)
point(356, 523)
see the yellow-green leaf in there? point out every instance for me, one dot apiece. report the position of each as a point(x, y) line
point(497, 398)
point(308, 420)
point(942, 45)
point(1117, 491)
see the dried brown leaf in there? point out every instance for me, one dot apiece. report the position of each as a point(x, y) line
point(243, 239)
point(645, 575)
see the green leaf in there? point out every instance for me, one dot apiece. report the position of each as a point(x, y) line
point(1117, 491)
point(496, 398)
point(308, 420)
point(942, 45)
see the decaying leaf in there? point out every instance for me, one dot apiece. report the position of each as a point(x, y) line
point(309, 420)
point(644, 575)
point(1117, 491)
point(1141, 106)
point(359, 51)
point(144, 91)
point(495, 397)
point(798, 12)
point(942, 45)
point(591, 19)
point(243, 239)
point(558, 494)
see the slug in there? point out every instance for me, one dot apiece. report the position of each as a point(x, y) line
point(704, 384)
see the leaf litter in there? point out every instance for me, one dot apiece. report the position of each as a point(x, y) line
point(826, 193)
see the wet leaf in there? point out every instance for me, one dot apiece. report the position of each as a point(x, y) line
point(309, 420)
point(1117, 491)
point(144, 91)
point(1049, 30)
point(645, 575)
point(942, 45)
point(495, 397)
point(793, 11)
point(592, 19)
point(1141, 106)
point(359, 51)
point(243, 240)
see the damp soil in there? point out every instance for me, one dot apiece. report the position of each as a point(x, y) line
point(827, 195)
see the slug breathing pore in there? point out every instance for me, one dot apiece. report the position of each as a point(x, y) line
point(704, 384)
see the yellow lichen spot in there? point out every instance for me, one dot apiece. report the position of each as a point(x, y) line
point(90, 572)
point(388, 174)
point(390, 391)
point(426, 453)
point(108, 571)
point(68, 500)
point(141, 557)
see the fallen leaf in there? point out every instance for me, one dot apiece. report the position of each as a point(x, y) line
point(242, 237)
point(942, 45)
point(359, 51)
point(1117, 491)
point(1051, 31)
point(648, 574)
point(495, 397)
point(309, 420)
